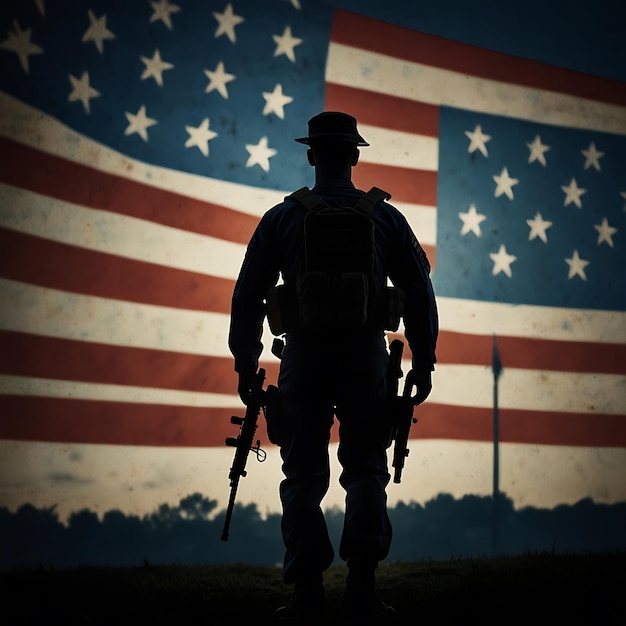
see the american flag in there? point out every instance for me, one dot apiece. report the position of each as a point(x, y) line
point(142, 142)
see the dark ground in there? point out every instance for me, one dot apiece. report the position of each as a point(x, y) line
point(534, 589)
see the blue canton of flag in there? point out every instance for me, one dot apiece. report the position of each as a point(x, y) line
point(530, 213)
point(216, 89)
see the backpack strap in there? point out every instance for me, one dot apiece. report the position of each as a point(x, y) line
point(368, 201)
point(309, 200)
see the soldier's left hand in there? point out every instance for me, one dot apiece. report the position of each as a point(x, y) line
point(423, 382)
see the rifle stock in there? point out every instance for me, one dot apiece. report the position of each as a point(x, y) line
point(243, 443)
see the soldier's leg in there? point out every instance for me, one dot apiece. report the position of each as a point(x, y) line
point(367, 531)
point(307, 417)
point(307, 474)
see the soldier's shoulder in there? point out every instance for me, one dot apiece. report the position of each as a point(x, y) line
point(281, 211)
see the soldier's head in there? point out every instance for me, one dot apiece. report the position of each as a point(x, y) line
point(333, 141)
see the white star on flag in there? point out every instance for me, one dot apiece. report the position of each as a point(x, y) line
point(537, 151)
point(20, 43)
point(218, 80)
point(471, 221)
point(592, 156)
point(97, 31)
point(573, 193)
point(200, 136)
point(227, 22)
point(605, 232)
point(576, 266)
point(502, 261)
point(155, 68)
point(139, 123)
point(260, 154)
point(478, 140)
point(275, 102)
point(163, 11)
point(82, 90)
point(538, 227)
point(285, 44)
point(504, 184)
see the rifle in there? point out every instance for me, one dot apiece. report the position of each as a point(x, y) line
point(243, 442)
point(401, 407)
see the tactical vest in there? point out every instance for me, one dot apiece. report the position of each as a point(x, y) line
point(335, 287)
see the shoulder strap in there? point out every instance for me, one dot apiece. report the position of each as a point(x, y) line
point(309, 200)
point(368, 201)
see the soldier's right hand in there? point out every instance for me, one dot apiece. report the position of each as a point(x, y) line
point(244, 386)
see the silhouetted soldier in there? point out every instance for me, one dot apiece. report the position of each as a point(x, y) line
point(334, 360)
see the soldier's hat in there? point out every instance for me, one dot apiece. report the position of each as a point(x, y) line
point(333, 125)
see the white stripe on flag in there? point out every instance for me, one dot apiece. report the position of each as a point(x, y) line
point(66, 315)
point(124, 236)
point(533, 390)
point(49, 388)
point(376, 72)
point(398, 149)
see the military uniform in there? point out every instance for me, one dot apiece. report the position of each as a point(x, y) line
point(326, 375)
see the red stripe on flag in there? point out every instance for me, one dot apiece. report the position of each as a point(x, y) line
point(33, 418)
point(378, 109)
point(372, 35)
point(66, 180)
point(61, 359)
point(442, 421)
point(40, 261)
point(532, 353)
point(39, 356)
point(65, 420)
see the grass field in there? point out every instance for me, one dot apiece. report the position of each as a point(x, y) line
point(533, 589)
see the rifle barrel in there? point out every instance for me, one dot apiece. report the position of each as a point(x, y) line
point(243, 444)
point(229, 510)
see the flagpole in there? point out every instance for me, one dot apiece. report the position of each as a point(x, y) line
point(496, 365)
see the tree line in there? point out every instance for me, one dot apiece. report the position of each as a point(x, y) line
point(189, 533)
